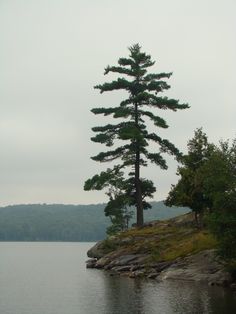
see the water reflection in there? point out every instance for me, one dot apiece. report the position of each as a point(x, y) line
point(124, 295)
point(195, 298)
point(51, 278)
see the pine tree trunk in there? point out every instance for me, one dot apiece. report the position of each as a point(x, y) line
point(139, 205)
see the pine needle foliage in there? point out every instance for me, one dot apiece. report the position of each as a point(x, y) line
point(144, 91)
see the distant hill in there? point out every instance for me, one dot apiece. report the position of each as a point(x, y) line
point(56, 222)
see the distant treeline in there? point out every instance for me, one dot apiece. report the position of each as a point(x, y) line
point(56, 222)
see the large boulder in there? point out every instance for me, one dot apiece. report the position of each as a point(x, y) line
point(96, 251)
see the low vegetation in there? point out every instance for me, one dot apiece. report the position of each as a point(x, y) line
point(164, 240)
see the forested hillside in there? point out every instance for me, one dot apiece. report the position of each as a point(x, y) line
point(41, 222)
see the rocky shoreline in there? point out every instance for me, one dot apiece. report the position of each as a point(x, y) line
point(129, 255)
point(201, 267)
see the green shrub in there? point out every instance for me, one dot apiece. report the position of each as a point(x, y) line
point(223, 225)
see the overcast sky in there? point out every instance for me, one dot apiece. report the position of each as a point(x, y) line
point(54, 51)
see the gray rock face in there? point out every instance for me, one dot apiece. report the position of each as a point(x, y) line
point(96, 251)
point(110, 261)
point(121, 268)
point(125, 259)
point(201, 267)
point(159, 267)
point(91, 263)
point(102, 262)
point(137, 274)
point(153, 275)
point(131, 254)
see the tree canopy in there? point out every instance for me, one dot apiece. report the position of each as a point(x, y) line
point(131, 131)
point(207, 185)
point(189, 189)
point(220, 185)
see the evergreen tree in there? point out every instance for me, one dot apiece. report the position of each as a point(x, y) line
point(189, 190)
point(118, 207)
point(220, 185)
point(143, 89)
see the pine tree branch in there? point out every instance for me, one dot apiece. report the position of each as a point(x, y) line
point(157, 159)
point(156, 76)
point(111, 155)
point(165, 145)
point(120, 70)
point(104, 111)
point(111, 127)
point(126, 61)
point(157, 120)
point(157, 86)
point(120, 83)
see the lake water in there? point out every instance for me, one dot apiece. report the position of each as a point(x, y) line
point(51, 278)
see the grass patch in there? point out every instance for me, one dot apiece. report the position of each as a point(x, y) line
point(109, 246)
point(189, 245)
point(165, 241)
point(149, 231)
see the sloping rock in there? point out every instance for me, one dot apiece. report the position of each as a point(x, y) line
point(103, 261)
point(136, 274)
point(91, 263)
point(201, 267)
point(96, 251)
point(161, 266)
point(153, 275)
point(138, 253)
point(121, 268)
point(123, 260)
point(128, 259)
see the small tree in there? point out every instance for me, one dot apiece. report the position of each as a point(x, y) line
point(220, 186)
point(208, 184)
point(143, 90)
point(189, 190)
point(219, 173)
point(118, 207)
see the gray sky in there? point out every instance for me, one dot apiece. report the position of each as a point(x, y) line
point(54, 51)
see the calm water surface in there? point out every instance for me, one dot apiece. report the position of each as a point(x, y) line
point(51, 278)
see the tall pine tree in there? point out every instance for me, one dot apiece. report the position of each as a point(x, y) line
point(143, 92)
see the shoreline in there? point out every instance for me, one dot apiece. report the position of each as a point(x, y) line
point(163, 250)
